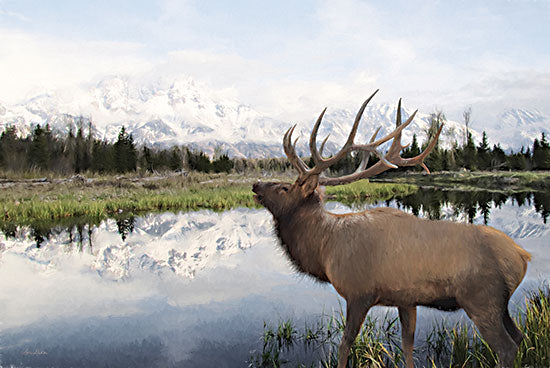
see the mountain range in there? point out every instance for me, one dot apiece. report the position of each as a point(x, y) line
point(181, 111)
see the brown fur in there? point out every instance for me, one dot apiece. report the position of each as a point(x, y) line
point(387, 257)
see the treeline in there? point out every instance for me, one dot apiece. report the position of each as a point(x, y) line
point(483, 157)
point(79, 151)
point(468, 155)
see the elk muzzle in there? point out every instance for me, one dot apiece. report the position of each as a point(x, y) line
point(258, 189)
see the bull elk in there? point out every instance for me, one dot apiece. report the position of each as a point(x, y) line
point(387, 257)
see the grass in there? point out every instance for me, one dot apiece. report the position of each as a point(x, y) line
point(363, 191)
point(106, 197)
point(27, 201)
point(378, 343)
point(42, 203)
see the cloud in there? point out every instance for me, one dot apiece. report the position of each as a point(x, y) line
point(33, 63)
point(432, 54)
point(11, 14)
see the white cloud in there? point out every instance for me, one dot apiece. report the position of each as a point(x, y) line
point(428, 57)
point(33, 63)
point(11, 14)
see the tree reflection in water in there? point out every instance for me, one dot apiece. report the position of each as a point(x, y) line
point(428, 202)
point(125, 226)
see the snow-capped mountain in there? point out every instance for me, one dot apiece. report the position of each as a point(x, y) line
point(520, 127)
point(182, 111)
point(162, 113)
point(179, 244)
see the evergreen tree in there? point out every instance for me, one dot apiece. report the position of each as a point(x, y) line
point(483, 153)
point(546, 152)
point(146, 161)
point(39, 154)
point(541, 154)
point(435, 160)
point(519, 160)
point(14, 150)
point(125, 153)
point(451, 158)
point(224, 164)
point(469, 153)
point(527, 158)
point(176, 162)
point(413, 150)
point(82, 154)
point(103, 157)
point(345, 166)
point(449, 162)
point(498, 158)
point(198, 161)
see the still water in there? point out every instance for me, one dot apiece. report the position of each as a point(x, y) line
point(194, 289)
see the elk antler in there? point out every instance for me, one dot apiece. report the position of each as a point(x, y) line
point(392, 159)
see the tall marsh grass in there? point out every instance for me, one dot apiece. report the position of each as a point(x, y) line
point(379, 342)
point(363, 191)
point(31, 203)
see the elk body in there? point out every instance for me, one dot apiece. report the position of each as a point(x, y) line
point(387, 257)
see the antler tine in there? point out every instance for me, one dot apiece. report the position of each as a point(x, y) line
point(396, 146)
point(393, 154)
point(323, 145)
point(392, 159)
point(365, 159)
point(394, 134)
point(290, 151)
point(320, 163)
point(313, 139)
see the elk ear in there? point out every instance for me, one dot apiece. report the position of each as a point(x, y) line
point(309, 184)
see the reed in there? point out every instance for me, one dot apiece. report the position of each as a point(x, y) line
point(365, 192)
point(32, 203)
point(378, 344)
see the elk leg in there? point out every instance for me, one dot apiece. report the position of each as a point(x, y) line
point(356, 310)
point(489, 321)
point(511, 327)
point(407, 316)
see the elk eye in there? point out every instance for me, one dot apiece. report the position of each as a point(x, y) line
point(285, 189)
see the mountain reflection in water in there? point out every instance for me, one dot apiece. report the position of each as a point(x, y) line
point(193, 289)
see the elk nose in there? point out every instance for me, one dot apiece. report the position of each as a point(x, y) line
point(255, 187)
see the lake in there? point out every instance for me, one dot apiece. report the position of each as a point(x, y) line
point(194, 289)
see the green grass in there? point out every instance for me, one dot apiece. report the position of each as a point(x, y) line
point(27, 202)
point(363, 191)
point(378, 343)
point(31, 203)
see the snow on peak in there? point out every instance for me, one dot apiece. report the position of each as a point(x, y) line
point(517, 118)
point(174, 111)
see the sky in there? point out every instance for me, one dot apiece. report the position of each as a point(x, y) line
point(290, 58)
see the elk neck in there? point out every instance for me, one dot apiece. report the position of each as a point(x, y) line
point(301, 234)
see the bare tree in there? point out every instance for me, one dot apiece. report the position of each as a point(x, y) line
point(467, 114)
